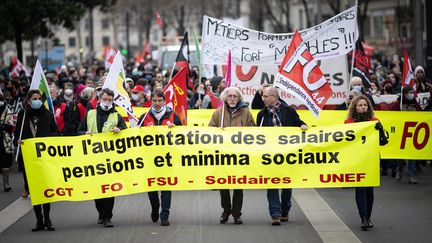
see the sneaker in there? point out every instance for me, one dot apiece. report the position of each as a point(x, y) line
point(165, 222)
point(398, 176)
point(154, 215)
point(276, 221)
point(108, 223)
point(284, 218)
point(100, 220)
point(238, 220)
point(412, 180)
point(224, 217)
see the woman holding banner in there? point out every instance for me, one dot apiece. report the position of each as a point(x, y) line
point(36, 121)
point(233, 113)
point(360, 110)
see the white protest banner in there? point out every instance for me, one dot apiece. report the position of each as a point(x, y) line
point(334, 37)
point(115, 81)
point(300, 75)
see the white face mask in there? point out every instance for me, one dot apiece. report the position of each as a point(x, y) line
point(68, 92)
point(106, 105)
point(135, 97)
point(357, 88)
point(410, 96)
point(2, 103)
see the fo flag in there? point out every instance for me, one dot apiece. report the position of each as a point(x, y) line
point(176, 95)
point(115, 81)
point(300, 75)
point(40, 83)
point(361, 64)
point(407, 73)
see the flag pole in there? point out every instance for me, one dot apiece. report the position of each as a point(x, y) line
point(20, 135)
point(352, 57)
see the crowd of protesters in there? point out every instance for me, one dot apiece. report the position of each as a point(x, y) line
point(76, 89)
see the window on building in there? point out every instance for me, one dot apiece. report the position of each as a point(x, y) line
point(105, 24)
point(87, 23)
point(87, 41)
point(378, 26)
point(72, 42)
point(105, 40)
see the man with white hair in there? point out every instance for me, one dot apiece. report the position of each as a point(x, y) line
point(233, 113)
point(356, 84)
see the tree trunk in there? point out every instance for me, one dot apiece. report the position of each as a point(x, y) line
point(91, 34)
point(308, 22)
point(18, 43)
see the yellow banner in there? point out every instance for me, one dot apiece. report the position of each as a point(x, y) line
point(409, 132)
point(186, 158)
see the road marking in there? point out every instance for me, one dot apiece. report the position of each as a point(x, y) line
point(325, 221)
point(14, 212)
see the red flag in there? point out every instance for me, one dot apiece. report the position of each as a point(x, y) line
point(182, 60)
point(109, 55)
point(147, 48)
point(362, 64)
point(16, 68)
point(139, 58)
point(159, 19)
point(176, 95)
point(300, 75)
point(407, 72)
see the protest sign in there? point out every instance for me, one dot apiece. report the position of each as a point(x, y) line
point(184, 158)
point(331, 38)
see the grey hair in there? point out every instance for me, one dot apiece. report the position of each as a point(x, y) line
point(224, 93)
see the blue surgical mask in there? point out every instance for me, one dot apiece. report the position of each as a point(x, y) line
point(135, 97)
point(410, 96)
point(36, 104)
point(357, 88)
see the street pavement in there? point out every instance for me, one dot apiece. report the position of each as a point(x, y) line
point(402, 213)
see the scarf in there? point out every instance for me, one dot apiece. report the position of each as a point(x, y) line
point(274, 110)
point(159, 114)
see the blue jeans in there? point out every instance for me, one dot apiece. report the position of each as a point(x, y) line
point(166, 203)
point(279, 206)
point(364, 199)
point(411, 166)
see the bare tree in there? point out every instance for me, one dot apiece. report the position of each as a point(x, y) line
point(363, 6)
point(335, 5)
point(280, 19)
point(308, 21)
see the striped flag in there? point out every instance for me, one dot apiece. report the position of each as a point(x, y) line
point(40, 83)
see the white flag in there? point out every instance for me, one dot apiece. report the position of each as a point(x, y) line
point(115, 81)
point(40, 83)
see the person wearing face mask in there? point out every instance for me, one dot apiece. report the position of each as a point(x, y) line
point(35, 121)
point(92, 104)
point(233, 113)
point(104, 118)
point(423, 84)
point(6, 147)
point(196, 99)
point(357, 85)
point(159, 115)
point(138, 97)
point(84, 97)
point(361, 110)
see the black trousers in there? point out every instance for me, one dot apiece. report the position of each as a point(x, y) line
point(237, 201)
point(105, 207)
point(38, 211)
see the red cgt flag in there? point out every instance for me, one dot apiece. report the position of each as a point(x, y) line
point(159, 19)
point(176, 95)
point(300, 75)
point(407, 72)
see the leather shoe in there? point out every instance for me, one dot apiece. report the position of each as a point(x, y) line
point(39, 225)
point(364, 223)
point(154, 215)
point(165, 222)
point(276, 221)
point(224, 217)
point(370, 225)
point(238, 220)
point(284, 218)
point(48, 224)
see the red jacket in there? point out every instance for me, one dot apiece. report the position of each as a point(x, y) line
point(59, 111)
